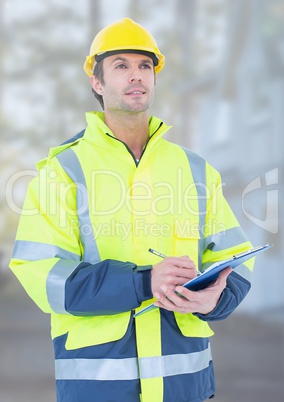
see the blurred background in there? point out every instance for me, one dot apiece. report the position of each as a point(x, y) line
point(223, 92)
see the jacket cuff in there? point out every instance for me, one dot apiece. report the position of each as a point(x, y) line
point(215, 313)
point(236, 290)
point(142, 282)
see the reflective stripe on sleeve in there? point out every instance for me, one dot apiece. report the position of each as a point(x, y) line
point(33, 251)
point(127, 369)
point(55, 284)
point(71, 164)
point(226, 239)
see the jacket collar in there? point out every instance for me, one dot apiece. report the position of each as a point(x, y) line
point(100, 134)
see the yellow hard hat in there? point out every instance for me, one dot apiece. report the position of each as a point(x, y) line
point(123, 35)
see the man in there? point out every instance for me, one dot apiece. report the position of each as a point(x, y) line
point(100, 201)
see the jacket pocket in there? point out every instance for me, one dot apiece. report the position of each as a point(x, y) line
point(186, 239)
point(91, 331)
point(191, 326)
point(186, 242)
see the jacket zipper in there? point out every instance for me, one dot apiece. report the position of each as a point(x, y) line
point(129, 150)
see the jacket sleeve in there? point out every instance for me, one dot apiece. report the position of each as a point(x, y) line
point(47, 256)
point(108, 287)
point(222, 244)
point(235, 291)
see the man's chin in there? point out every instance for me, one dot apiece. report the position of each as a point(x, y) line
point(138, 107)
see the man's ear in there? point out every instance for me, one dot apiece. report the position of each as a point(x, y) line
point(96, 84)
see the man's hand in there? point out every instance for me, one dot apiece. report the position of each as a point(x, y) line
point(171, 272)
point(202, 301)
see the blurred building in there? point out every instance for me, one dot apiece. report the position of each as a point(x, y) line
point(222, 90)
point(239, 130)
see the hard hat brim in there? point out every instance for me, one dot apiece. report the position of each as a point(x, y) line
point(102, 56)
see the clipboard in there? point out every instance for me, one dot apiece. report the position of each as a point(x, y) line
point(211, 274)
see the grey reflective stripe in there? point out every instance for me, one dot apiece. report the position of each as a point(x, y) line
point(96, 369)
point(226, 239)
point(55, 284)
point(198, 170)
point(33, 251)
point(244, 271)
point(164, 366)
point(127, 369)
point(71, 164)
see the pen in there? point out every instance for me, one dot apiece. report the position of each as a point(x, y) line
point(157, 253)
point(164, 256)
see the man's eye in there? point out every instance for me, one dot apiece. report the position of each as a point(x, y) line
point(121, 66)
point(146, 66)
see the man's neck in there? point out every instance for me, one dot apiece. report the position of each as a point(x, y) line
point(131, 128)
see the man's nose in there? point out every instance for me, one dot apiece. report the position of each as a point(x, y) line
point(135, 75)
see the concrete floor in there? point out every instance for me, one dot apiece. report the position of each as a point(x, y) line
point(248, 354)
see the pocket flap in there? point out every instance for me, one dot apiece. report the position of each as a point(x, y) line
point(90, 331)
point(192, 327)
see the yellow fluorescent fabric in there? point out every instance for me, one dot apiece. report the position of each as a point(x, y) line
point(191, 326)
point(154, 204)
point(87, 331)
point(34, 280)
point(148, 333)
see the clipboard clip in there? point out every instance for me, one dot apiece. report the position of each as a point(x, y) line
point(251, 251)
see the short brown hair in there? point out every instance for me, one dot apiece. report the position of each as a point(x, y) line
point(99, 74)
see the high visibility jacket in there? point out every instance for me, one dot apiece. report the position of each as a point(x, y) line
point(81, 253)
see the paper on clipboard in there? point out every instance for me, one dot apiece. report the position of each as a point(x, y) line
point(211, 274)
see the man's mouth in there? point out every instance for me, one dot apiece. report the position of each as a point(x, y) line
point(136, 92)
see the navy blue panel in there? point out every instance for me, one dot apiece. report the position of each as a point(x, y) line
point(75, 138)
point(190, 387)
point(107, 287)
point(101, 391)
point(235, 291)
point(98, 391)
point(122, 348)
point(194, 387)
point(181, 344)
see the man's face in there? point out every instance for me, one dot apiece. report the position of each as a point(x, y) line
point(129, 81)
